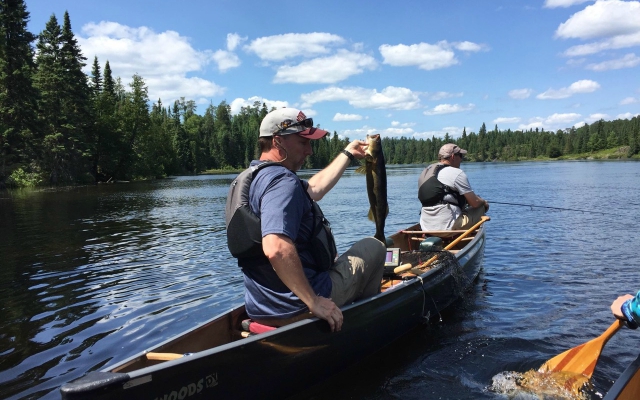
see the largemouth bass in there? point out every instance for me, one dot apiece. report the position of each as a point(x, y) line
point(376, 172)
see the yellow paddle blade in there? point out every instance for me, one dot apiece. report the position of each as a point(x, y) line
point(581, 359)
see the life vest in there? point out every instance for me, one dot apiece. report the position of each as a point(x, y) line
point(244, 233)
point(432, 191)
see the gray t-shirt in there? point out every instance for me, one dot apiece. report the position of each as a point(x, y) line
point(442, 216)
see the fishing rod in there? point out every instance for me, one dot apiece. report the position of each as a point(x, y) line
point(552, 208)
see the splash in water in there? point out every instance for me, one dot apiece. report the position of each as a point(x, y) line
point(535, 385)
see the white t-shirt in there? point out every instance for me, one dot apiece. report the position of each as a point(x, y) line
point(442, 216)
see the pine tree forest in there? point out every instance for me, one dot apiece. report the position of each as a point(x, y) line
point(59, 125)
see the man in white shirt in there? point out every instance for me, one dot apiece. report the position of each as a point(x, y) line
point(448, 201)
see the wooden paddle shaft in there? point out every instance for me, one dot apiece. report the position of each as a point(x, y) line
point(406, 267)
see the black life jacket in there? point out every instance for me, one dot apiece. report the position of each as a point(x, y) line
point(244, 233)
point(432, 191)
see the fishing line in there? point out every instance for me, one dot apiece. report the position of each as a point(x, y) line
point(552, 208)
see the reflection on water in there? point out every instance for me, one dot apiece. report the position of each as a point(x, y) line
point(89, 275)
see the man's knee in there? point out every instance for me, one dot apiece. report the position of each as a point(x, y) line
point(372, 251)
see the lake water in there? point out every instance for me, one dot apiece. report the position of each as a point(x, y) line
point(93, 274)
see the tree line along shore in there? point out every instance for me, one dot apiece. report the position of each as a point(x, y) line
point(60, 126)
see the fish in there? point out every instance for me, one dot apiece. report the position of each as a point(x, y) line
point(376, 172)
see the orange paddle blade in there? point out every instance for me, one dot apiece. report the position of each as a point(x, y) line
point(581, 359)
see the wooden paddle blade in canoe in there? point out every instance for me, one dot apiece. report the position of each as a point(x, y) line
point(581, 359)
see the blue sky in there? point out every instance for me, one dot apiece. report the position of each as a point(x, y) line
point(402, 68)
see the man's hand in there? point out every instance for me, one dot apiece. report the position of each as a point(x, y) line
point(326, 309)
point(283, 256)
point(616, 306)
point(357, 148)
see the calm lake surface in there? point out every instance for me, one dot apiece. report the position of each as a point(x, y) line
point(92, 275)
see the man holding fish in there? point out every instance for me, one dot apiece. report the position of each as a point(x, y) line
point(445, 192)
point(283, 243)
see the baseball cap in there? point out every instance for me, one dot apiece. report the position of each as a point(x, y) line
point(286, 121)
point(449, 149)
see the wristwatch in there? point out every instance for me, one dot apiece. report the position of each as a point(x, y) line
point(348, 154)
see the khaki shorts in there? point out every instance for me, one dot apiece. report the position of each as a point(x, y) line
point(357, 273)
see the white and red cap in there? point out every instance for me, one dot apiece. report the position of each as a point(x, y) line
point(286, 121)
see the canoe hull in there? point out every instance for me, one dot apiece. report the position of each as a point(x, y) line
point(292, 358)
point(627, 386)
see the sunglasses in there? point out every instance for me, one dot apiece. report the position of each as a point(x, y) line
point(460, 155)
point(305, 123)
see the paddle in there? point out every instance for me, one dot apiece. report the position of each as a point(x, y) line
point(406, 267)
point(581, 359)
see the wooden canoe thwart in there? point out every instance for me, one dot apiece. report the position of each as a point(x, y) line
point(222, 360)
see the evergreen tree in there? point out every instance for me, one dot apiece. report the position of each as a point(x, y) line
point(180, 139)
point(76, 107)
point(105, 151)
point(49, 79)
point(18, 97)
point(96, 78)
point(134, 125)
point(223, 138)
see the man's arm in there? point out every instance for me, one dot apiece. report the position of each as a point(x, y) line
point(326, 179)
point(476, 201)
point(284, 259)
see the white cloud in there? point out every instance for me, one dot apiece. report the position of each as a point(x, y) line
point(449, 109)
point(396, 98)
point(628, 100)
point(359, 132)
point(506, 120)
point(469, 46)
point(397, 131)
point(347, 117)
point(552, 122)
point(368, 130)
point(162, 59)
point(628, 61)
point(423, 55)
point(453, 131)
point(617, 22)
point(237, 104)
point(444, 95)
point(627, 115)
point(329, 69)
point(289, 45)
point(520, 93)
point(566, 118)
point(234, 40)
point(576, 62)
point(583, 86)
point(597, 117)
point(562, 3)
point(226, 60)
point(404, 125)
